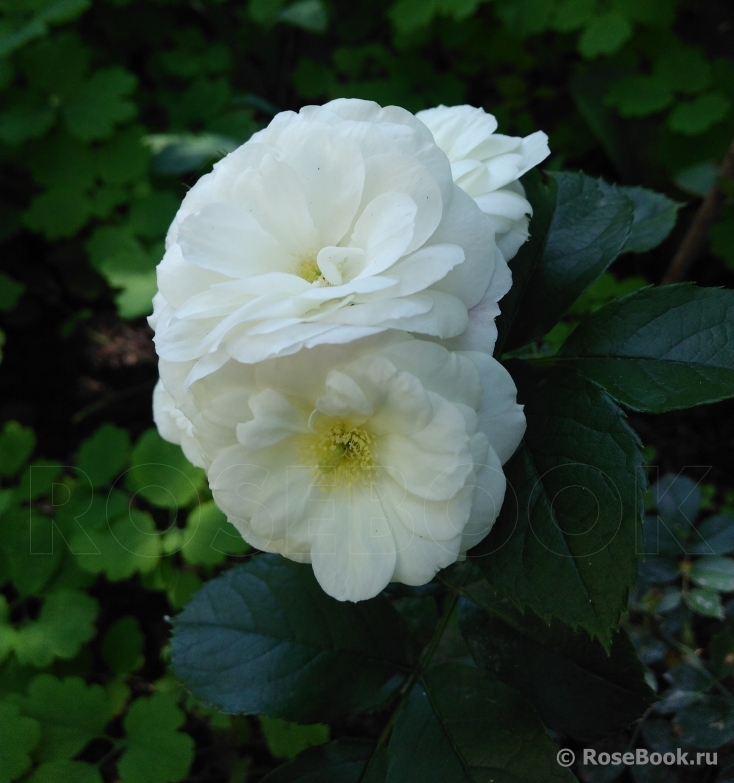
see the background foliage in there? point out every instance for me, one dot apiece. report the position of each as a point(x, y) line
point(109, 112)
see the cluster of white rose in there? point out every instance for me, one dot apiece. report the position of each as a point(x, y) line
point(325, 325)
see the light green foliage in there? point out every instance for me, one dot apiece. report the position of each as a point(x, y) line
point(162, 475)
point(69, 712)
point(103, 456)
point(18, 736)
point(65, 623)
point(127, 545)
point(286, 740)
point(207, 538)
point(156, 751)
point(694, 117)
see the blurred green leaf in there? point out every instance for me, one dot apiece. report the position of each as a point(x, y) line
point(705, 602)
point(716, 573)
point(717, 536)
point(287, 740)
point(342, 761)
point(209, 537)
point(156, 752)
point(20, 123)
point(708, 724)
point(151, 215)
point(122, 647)
point(10, 292)
point(69, 712)
point(179, 153)
point(604, 35)
point(19, 735)
point(124, 157)
point(697, 179)
point(100, 104)
point(698, 115)
point(683, 69)
point(65, 772)
point(16, 446)
point(722, 239)
point(162, 475)
point(128, 545)
point(65, 623)
point(639, 96)
point(104, 455)
point(309, 14)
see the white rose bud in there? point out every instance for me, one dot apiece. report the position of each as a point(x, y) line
point(488, 165)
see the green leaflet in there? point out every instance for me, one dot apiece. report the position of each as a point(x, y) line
point(458, 725)
point(264, 638)
point(580, 225)
point(564, 675)
point(573, 505)
point(659, 348)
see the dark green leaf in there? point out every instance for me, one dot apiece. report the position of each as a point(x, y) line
point(704, 601)
point(100, 104)
point(714, 572)
point(122, 647)
point(717, 536)
point(460, 726)
point(338, 762)
point(655, 216)
point(264, 638)
point(580, 225)
point(659, 348)
point(564, 543)
point(575, 687)
point(707, 724)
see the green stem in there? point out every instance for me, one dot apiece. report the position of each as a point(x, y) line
point(417, 673)
point(690, 657)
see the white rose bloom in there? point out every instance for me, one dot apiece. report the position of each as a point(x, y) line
point(487, 166)
point(376, 461)
point(327, 226)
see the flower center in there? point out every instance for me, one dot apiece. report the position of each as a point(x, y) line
point(308, 269)
point(342, 453)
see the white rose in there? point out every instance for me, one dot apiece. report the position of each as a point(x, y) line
point(330, 225)
point(376, 461)
point(174, 426)
point(487, 166)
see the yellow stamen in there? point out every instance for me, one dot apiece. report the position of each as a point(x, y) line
point(341, 453)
